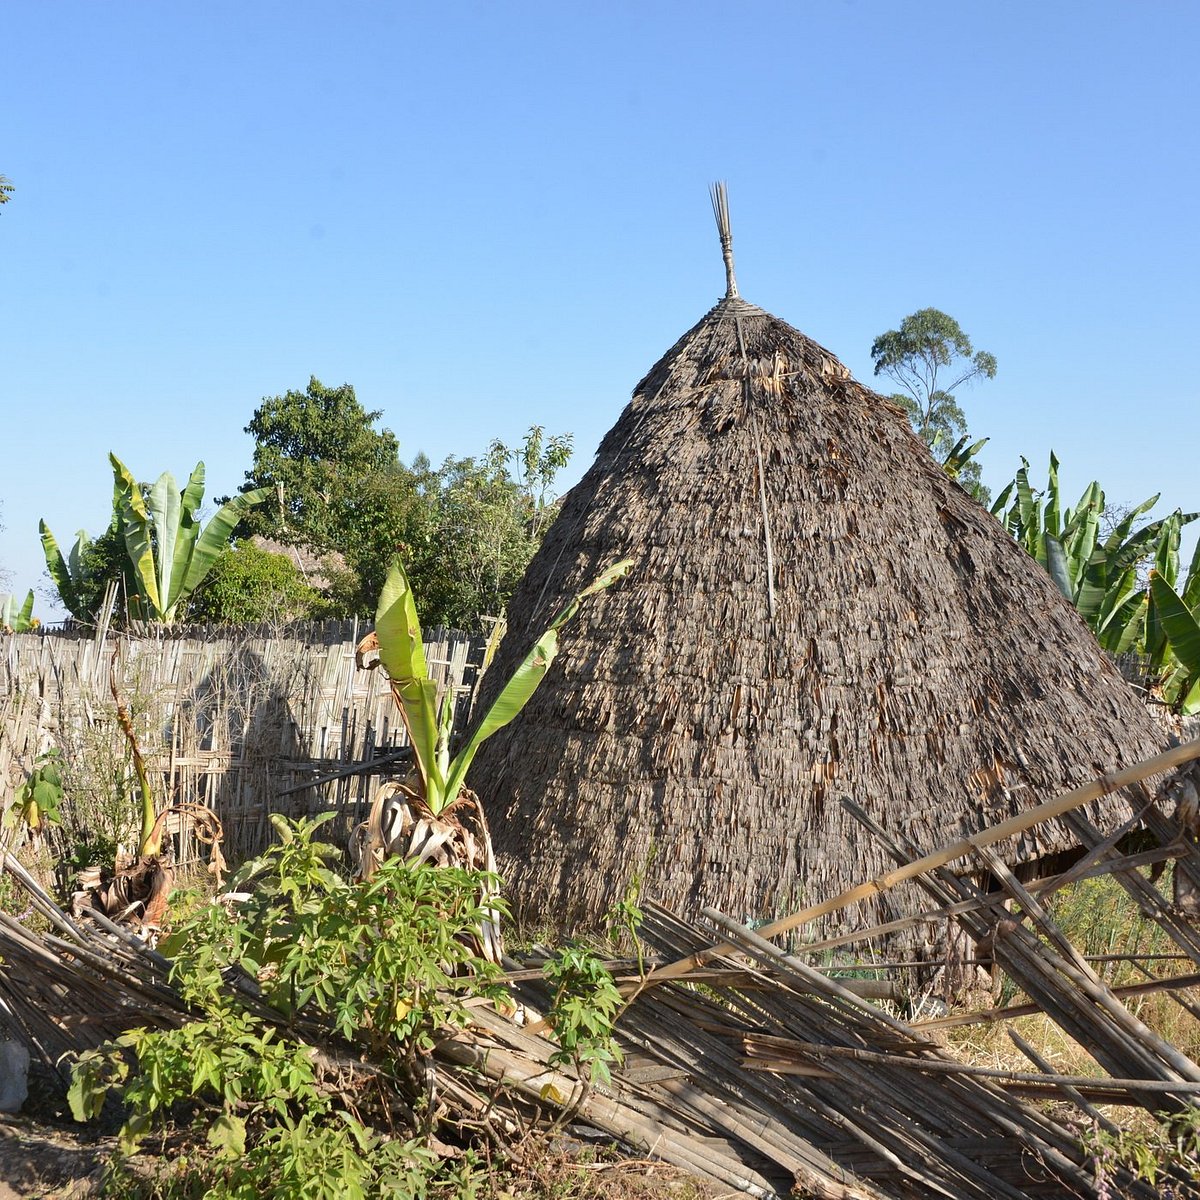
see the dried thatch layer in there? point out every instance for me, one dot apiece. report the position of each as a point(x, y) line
point(816, 612)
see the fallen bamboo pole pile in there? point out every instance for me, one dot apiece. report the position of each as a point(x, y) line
point(757, 1072)
point(1069, 802)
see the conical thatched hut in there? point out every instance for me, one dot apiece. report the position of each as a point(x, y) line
point(816, 611)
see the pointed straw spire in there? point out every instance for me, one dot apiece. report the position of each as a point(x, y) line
point(720, 203)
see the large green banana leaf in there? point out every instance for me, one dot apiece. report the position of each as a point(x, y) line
point(1127, 624)
point(514, 696)
point(1124, 527)
point(163, 508)
point(1191, 585)
point(525, 680)
point(135, 529)
point(1114, 601)
point(402, 656)
point(67, 573)
point(960, 454)
point(1052, 521)
point(186, 530)
point(1182, 631)
point(997, 509)
point(14, 616)
point(1059, 568)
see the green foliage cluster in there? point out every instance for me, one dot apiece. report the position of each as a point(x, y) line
point(1155, 615)
point(585, 1006)
point(1163, 1155)
point(17, 616)
point(37, 800)
point(465, 530)
point(248, 584)
point(383, 964)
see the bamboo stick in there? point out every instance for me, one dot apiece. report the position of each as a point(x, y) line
point(1012, 1011)
point(1089, 1110)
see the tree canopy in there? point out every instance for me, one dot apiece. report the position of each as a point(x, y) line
point(311, 447)
point(930, 357)
point(465, 530)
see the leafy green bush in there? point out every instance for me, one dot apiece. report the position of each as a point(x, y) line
point(248, 584)
point(36, 801)
point(586, 1004)
point(385, 964)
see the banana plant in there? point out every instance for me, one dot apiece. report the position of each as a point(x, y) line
point(17, 617)
point(1173, 632)
point(961, 453)
point(68, 571)
point(1099, 576)
point(168, 551)
point(436, 818)
point(402, 655)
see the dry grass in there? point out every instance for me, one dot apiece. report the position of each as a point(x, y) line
point(1101, 921)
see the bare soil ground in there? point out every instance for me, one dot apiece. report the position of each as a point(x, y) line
point(65, 1161)
point(50, 1162)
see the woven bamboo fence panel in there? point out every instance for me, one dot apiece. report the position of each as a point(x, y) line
point(249, 722)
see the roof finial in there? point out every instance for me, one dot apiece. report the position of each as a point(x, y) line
point(720, 203)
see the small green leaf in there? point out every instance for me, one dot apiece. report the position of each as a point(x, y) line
point(228, 1133)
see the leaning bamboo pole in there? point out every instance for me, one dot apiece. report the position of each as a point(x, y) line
point(1060, 806)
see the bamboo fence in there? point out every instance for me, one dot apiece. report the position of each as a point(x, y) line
point(249, 722)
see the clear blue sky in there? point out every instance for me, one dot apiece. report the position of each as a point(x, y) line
point(486, 216)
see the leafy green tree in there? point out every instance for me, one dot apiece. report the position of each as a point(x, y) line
point(483, 537)
point(6, 189)
point(248, 584)
point(465, 531)
point(930, 357)
point(538, 460)
point(314, 449)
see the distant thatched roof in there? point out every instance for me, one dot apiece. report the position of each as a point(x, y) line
point(816, 611)
point(313, 566)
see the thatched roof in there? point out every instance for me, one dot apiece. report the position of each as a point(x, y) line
point(816, 611)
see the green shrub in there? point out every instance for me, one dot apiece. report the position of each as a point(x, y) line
point(248, 584)
point(385, 964)
point(585, 1006)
